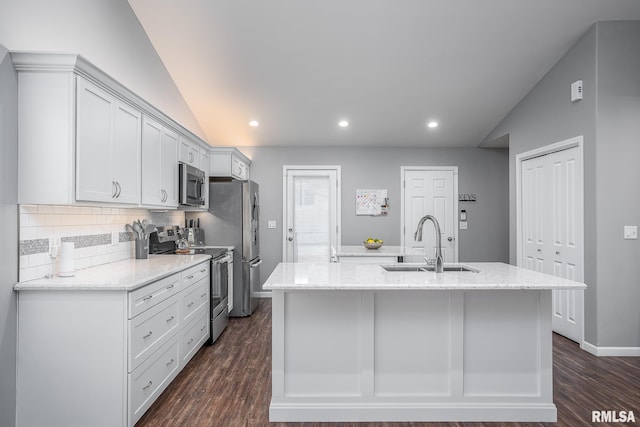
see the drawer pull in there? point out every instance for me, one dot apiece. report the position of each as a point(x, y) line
point(147, 298)
point(147, 386)
point(171, 286)
point(190, 304)
point(148, 335)
point(170, 319)
point(170, 362)
point(203, 295)
point(203, 328)
point(203, 270)
point(190, 341)
point(190, 277)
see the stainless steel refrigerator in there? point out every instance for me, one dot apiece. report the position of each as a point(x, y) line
point(234, 215)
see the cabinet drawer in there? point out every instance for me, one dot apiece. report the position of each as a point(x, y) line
point(194, 298)
point(147, 296)
point(151, 378)
point(150, 330)
point(195, 274)
point(194, 335)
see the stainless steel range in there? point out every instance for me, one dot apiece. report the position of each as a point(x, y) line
point(164, 242)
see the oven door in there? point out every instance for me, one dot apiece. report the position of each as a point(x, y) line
point(219, 287)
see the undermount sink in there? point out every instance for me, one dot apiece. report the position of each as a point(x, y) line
point(428, 267)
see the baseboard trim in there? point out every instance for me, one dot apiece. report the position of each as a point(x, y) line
point(263, 294)
point(611, 351)
point(399, 412)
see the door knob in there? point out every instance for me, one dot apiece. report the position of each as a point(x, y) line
point(291, 230)
point(291, 239)
point(539, 250)
point(450, 239)
point(557, 252)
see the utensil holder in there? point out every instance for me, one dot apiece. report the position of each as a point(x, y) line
point(142, 248)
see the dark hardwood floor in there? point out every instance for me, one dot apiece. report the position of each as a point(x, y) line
point(229, 384)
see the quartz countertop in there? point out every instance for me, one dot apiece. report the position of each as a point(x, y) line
point(125, 275)
point(340, 276)
point(352, 251)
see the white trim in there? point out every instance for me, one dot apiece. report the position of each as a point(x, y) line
point(338, 170)
point(610, 351)
point(263, 294)
point(575, 142)
point(454, 169)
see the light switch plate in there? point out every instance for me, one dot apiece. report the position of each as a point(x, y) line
point(463, 225)
point(271, 224)
point(630, 232)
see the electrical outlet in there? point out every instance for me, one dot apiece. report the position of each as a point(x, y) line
point(630, 232)
point(271, 224)
point(54, 246)
point(463, 225)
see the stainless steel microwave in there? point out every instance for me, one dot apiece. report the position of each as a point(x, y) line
point(191, 185)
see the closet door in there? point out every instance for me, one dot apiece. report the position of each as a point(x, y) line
point(552, 230)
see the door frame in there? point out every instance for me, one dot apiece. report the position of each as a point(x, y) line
point(575, 142)
point(453, 169)
point(285, 169)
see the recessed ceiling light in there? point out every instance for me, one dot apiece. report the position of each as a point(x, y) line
point(432, 125)
point(254, 123)
point(343, 123)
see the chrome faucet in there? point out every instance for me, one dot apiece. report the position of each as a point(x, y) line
point(418, 237)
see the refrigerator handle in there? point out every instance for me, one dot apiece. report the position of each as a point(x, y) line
point(255, 264)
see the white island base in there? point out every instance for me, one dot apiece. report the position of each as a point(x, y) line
point(412, 355)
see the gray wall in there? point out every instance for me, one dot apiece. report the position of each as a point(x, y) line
point(481, 171)
point(617, 178)
point(607, 59)
point(9, 240)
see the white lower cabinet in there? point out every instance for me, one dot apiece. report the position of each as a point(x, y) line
point(101, 358)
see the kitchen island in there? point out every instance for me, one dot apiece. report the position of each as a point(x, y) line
point(354, 342)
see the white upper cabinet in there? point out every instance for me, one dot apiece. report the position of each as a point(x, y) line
point(189, 152)
point(107, 147)
point(159, 165)
point(229, 162)
point(81, 138)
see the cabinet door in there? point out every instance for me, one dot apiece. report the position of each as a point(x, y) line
point(94, 136)
point(125, 157)
point(152, 162)
point(169, 171)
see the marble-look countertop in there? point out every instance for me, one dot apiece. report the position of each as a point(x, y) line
point(125, 275)
point(340, 276)
point(352, 251)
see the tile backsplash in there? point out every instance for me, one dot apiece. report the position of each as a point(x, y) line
point(98, 233)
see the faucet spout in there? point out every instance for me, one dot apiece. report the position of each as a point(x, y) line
point(418, 238)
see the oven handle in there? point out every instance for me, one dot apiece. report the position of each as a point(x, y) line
point(225, 259)
point(254, 265)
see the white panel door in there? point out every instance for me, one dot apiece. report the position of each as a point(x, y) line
point(311, 213)
point(433, 192)
point(552, 224)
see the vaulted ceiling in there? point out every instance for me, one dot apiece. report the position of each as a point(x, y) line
point(388, 67)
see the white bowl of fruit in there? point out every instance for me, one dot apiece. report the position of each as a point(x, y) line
point(371, 243)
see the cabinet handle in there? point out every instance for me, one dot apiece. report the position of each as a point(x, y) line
point(203, 270)
point(557, 252)
point(147, 298)
point(170, 319)
point(119, 189)
point(148, 385)
point(190, 304)
point(203, 328)
point(190, 341)
point(203, 295)
point(539, 250)
point(171, 286)
point(148, 335)
point(170, 361)
point(115, 189)
point(190, 277)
